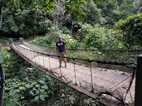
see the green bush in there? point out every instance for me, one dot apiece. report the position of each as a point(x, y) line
point(92, 37)
point(29, 91)
point(70, 41)
point(25, 84)
point(132, 29)
point(25, 22)
point(51, 38)
point(44, 41)
point(101, 37)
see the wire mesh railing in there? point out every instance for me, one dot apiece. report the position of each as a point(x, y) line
point(86, 75)
point(106, 55)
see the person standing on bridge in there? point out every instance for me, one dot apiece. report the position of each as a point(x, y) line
point(60, 45)
point(1, 77)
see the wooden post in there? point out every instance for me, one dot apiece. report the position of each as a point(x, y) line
point(1, 85)
point(138, 89)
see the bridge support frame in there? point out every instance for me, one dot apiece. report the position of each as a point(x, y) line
point(1, 85)
point(138, 88)
point(91, 72)
point(75, 77)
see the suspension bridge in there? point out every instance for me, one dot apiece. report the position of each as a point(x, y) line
point(114, 84)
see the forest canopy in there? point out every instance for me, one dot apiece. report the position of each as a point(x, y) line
point(33, 17)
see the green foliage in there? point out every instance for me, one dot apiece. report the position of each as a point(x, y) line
point(25, 22)
point(44, 41)
point(31, 17)
point(26, 18)
point(75, 8)
point(47, 5)
point(93, 13)
point(6, 56)
point(113, 10)
point(13, 66)
point(29, 90)
point(70, 97)
point(70, 41)
point(51, 38)
point(25, 84)
point(132, 29)
point(101, 37)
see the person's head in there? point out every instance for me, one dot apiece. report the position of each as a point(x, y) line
point(60, 39)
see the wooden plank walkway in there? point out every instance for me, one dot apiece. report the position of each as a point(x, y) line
point(103, 79)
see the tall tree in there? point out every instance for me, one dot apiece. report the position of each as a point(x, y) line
point(113, 10)
point(93, 13)
point(132, 29)
point(76, 8)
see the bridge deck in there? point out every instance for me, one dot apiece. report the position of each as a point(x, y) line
point(103, 79)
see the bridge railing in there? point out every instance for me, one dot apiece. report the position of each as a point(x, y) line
point(119, 55)
point(129, 52)
point(90, 63)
